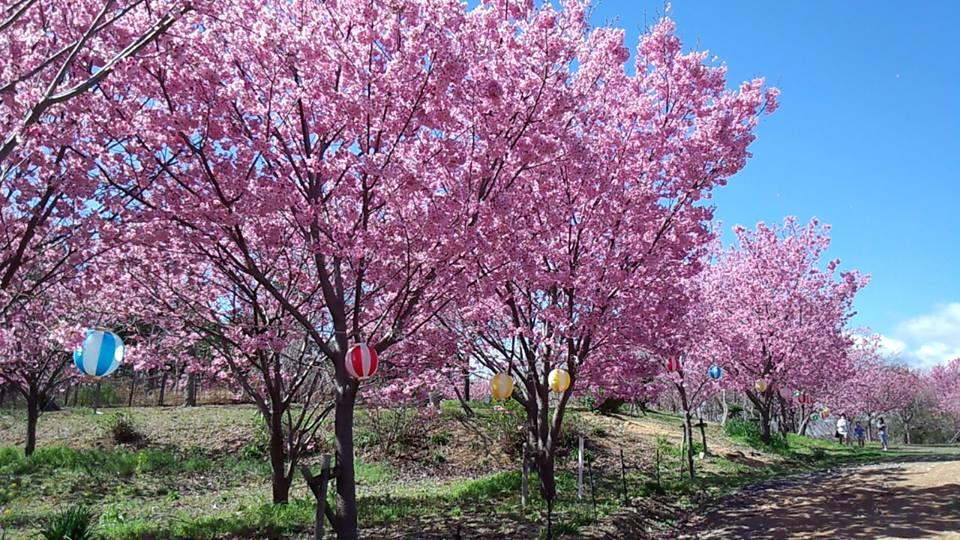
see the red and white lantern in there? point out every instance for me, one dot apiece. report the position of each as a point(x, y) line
point(361, 361)
point(673, 364)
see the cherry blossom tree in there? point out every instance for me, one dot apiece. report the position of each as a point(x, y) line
point(592, 267)
point(51, 94)
point(944, 381)
point(342, 157)
point(36, 345)
point(777, 316)
point(227, 328)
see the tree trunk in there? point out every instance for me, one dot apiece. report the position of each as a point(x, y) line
point(163, 388)
point(191, 391)
point(762, 406)
point(765, 434)
point(688, 435)
point(133, 387)
point(466, 386)
point(96, 398)
point(346, 515)
point(33, 415)
point(280, 479)
point(66, 396)
point(703, 436)
point(726, 409)
point(539, 430)
point(802, 431)
point(687, 429)
point(906, 432)
point(785, 420)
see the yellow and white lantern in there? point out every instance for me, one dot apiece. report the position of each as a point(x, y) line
point(501, 386)
point(559, 380)
point(760, 385)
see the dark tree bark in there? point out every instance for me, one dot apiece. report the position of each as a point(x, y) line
point(703, 436)
point(133, 387)
point(687, 429)
point(163, 388)
point(346, 514)
point(763, 405)
point(280, 476)
point(33, 415)
point(191, 400)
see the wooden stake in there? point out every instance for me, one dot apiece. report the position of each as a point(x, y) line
point(580, 470)
point(623, 477)
point(524, 481)
point(319, 488)
point(593, 494)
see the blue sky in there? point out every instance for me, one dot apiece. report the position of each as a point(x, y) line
point(867, 138)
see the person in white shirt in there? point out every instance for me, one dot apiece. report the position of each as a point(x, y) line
point(842, 429)
point(883, 432)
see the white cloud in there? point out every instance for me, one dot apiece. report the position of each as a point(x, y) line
point(927, 340)
point(891, 347)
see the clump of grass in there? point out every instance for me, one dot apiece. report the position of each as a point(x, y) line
point(75, 523)
point(124, 429)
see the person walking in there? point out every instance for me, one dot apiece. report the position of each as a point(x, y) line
point(882, 430)
point(842, 429)
point(860, 434)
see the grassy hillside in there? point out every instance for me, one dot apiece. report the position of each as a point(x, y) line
point(201, 473)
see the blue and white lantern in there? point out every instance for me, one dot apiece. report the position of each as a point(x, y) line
point(715, 372)
point(100, 354)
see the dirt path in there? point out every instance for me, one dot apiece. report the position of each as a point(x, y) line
point(917, 498)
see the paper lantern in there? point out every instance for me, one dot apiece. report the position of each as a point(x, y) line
point(501, 386)
point(715, 372)
point(785, 393)
point(825, 414)
point(760, 385)
point(559, 380)
point(361, 361)
point(673, 365)
point(805, 399)
point(100, 355)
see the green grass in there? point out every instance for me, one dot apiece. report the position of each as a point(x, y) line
point(261, 521)
point(185, 487)
point(120, 463)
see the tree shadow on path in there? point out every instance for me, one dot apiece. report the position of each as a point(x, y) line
point(914, 500)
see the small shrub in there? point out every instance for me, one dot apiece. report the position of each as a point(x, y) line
point(734, 411)
point(818, 454)
point(610, 406)
point(259, 446)
point(124, 430)
point(507, 423)
point(74, 523)
point(598, 431)
point(399, 430)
